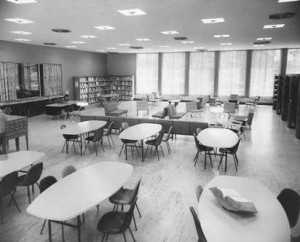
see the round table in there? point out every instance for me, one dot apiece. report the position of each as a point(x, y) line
point(270, 223)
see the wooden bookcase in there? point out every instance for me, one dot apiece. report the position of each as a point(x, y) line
point(275, 92)
point(90, 89)
point(279, 95)
point(51, 76)
point(285, 98)
point(9, 77)
point(293, 101)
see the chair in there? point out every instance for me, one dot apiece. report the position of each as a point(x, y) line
point(126, 197)
point(109, 132)
point(156, 142)
point(253, 102)
point(191, 107)
point(45, 183)
point(232, 151)
point(31, 177)
point(172, 112)
point(67, 171)
point(166, 138)
point(201, 236)
point(7, 187)
point(229, 108)
point(198, 191)
point(126, 142)
point(142, 105)
point(116, 222)
point(201, 148)
point(69, 138)
point(290, 201)
point(97, 139)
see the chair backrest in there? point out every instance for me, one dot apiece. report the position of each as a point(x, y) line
point(124, 125)
point(234, 96)
point(190, 106)
point(8, 183)
point(110, 127)
point(98, 135)
point(34, 174)
point(63, 126)
point(229, 107)
point(234, 149)
point(290, 201)
point(128, 218)
point(198, 191)
point(168, 134)
point(46, 182)
point(250, 118)
point(68, 170)
point(200, 233)
point(136, 191)
point(197, 143)
point(142, 105)
point(171, 111)
point(198, 130)
point(159, 137)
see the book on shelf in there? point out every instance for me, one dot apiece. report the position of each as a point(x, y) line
point(232, 200)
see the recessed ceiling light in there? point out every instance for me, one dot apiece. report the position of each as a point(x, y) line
point(143, 39)
point(136, 47)
point(101, 50)
point(71, 46)
point(180, 38)
point(104, 27)
point(124, 44)
point(21, 32)
point(61, 31)
point(110, 48)
point(88, 36)
point(23, 40)
point(78, 42)
point(188, 42)
point(226, 44)
point(170, 32)
point(49, 43)
point(19, 20)
point(273, 26)
point(22, 1)
point(264, 42)
point(221, 36)
point(286, 1)
point(132, 12)
point(212, 20)
point(264, 38)
point(164, 46)
point(284, 15)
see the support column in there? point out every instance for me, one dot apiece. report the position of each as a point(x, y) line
point(160, 73)
point(216, 74)
point(248, 72)
point(187, 73)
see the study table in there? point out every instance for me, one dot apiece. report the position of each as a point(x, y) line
point(82, 128)
point(269, 224)
point(79, 192)
point(18, 160)
point(139, 132)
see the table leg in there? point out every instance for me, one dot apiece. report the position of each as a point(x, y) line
point(17, 143)
point(78, 227)
point(49, 230)
point(225, 161)
point(142, 147)
point(81, 144)
point(26, 138)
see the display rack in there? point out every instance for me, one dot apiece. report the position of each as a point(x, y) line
point(51, 76)
point(293, 101)
point(90, 89)
point(279, 95)
point(285, 98)
point(275, 92)
point(9, 77)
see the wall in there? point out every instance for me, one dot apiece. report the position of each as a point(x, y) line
point(121, 64)
point(74, 63)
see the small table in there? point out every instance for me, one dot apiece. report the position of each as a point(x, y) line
point(140, 132)
point(83, 128)
point(79, 192)
point(18, 160)
point(270, 223)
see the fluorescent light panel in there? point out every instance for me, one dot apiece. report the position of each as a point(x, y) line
point(143, 39)
point(124, 44)
point(132, 12)
point(188, 42)
point(71, 46)
point(225, 44)
point(170, 32)
point(21, 32)
point(19, 20)
point(212, 20)
point(273, 26)
point(286, 1)
point(22, 1)
point(164, 46)
point(264, 38)
point(23, 40)
point(104, 27)
point(78, 42)
point(88, 36)
point(221, 36)
point(110, 48)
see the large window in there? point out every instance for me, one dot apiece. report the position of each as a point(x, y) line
point(201, 75)
point(265, 64)
point(173, 73)
point(293, 62)
point(232, 73)
point(146, 73)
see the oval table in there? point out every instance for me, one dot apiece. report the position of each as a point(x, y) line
point(269, 224)
point(140, 132)
point(78, 192)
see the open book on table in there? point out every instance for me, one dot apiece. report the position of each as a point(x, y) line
point(232, 200)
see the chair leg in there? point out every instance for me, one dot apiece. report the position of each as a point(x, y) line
point(28, 193)
point(121, 149)
point(112, 140)
point(138, 210)
point(220, 161)
point(134, 222)
point(131, 233)
point(1, 212)
point(157, 152)
point(43, 226)
point(124, 237)
point(210, 159)
point(108, 142)
point(15, 202)
point(162, 150)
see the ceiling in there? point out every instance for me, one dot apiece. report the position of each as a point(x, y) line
point(244, 21)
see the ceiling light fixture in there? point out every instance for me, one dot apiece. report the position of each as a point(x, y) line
point(49, 43)
point(212, 20)
point(282, 15)
point(273, 26)
point(221, 36)
point(71, 46)
point(61, 31)
point(104, 27)
point(21, 32)
point(180, 38)
point(110, 48)
point(88, 36)
point(136, 47)
point(188, 42)
point(225, 44)
point(23, 40)
point(19, 20)
point(258, 45)
point(143, 39)
point(286, 1)
point(264, 38)
point(164, 46)
point(78, 42)
point(170, 32)
point(124, 44)
point(22, 1)
point(132, 12)
point(265, 42)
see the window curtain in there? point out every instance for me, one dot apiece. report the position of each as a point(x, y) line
point(147, 73)
point(173, 73)
point(265, 65)
point(201, 73)
point(232, 73)
point(293, 61)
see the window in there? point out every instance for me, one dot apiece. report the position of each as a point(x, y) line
point(146, 73)
point(265, 64)
point(201, 75)
point(232, 73)
point(173, 73)
point(293, 62)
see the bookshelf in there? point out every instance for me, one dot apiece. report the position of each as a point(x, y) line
point(90, 89)
point(275, 92)
point(293, 101)
point(51, 76)
point(9, 78)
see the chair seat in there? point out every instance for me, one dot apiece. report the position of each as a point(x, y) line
point(111, 222)
point(224, 150)
point(128, 141)
point(21, 180)
point(159, 114)
point(70, 137)
point(118, 112)
point(206, 148)
point(123, 196)
point(90, 138)
point(151, 142)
